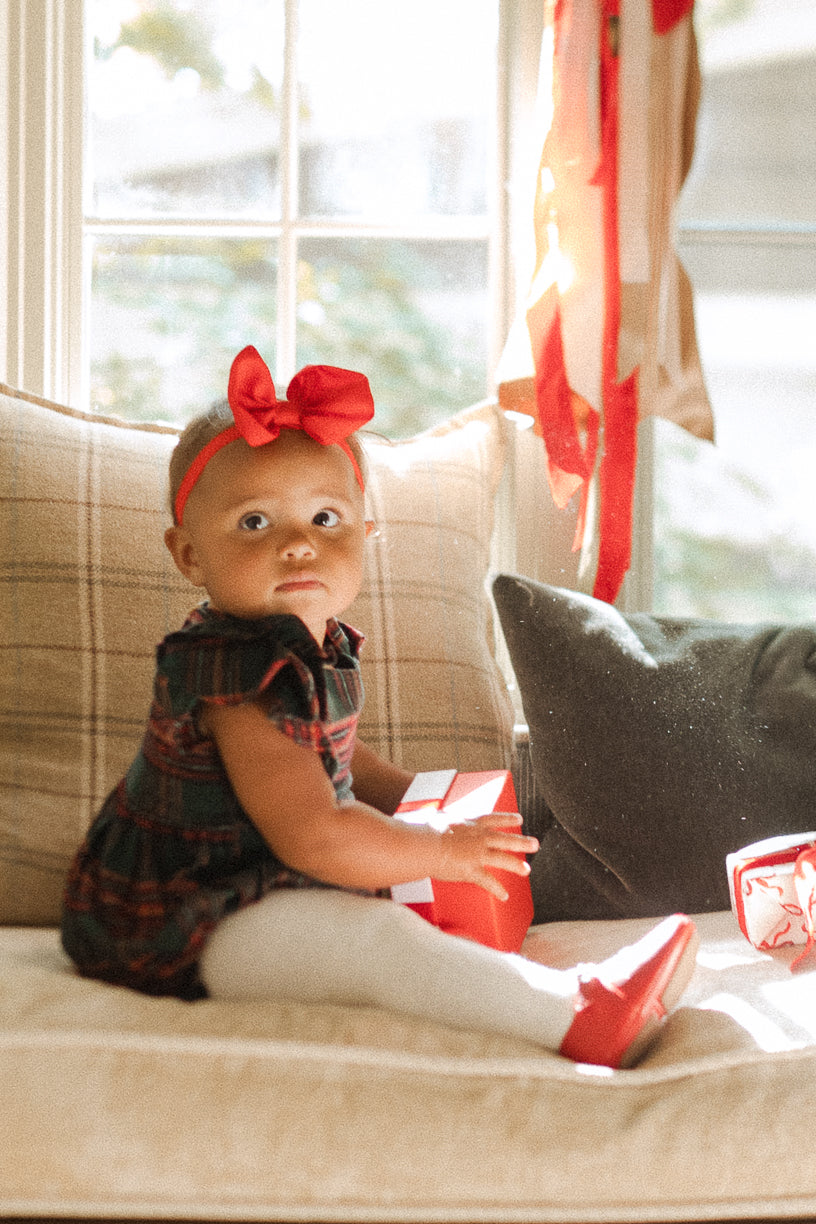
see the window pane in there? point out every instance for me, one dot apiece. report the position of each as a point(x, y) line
point(184, 105)
point(409, 315)
point(394, 127)
point(734, 523)
point(734, 537)
point(396, 106)
point(755, 160)
point(168, 316)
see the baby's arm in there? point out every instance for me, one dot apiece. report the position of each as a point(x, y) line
point(377, 782)
point(286, 792)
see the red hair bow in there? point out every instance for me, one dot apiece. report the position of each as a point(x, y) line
point(324, 401)
point(327, 403)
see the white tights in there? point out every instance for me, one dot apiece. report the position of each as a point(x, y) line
point(330, 946)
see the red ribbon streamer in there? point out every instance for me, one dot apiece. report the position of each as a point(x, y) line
point(620, 401)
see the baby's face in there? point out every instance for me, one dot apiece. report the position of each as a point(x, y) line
point(276, 528)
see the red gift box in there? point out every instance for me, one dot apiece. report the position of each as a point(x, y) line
point(444, 797)
point(771, 890)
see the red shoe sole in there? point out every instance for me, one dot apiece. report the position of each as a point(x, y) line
point(668, 1000)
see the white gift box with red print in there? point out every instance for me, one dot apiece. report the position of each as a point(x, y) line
point(769, 903)
point(441, 798)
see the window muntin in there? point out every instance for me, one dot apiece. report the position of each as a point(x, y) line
point(168, 314)
point(313, 178)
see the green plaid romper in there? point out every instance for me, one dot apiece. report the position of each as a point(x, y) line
point(172, 852)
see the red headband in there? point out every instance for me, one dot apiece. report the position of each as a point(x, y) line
point(325, 402)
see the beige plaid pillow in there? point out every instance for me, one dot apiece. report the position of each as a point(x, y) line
point(89, 589)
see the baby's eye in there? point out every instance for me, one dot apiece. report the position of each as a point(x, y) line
point(255, 521)
point(326, 518)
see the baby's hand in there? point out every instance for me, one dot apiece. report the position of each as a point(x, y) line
point(472, 850)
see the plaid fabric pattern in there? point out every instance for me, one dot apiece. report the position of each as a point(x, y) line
point(87, 589)
point(435, 696)
point(172, 851)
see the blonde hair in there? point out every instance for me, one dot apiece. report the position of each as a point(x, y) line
point(201, 431)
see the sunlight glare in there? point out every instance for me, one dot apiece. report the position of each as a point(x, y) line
point(766, 1033)
point(556, 269)
point(597, 1072)
point(726, 958)
point(795, 998)
point(476, 803)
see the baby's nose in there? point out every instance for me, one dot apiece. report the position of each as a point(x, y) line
point(296, 547)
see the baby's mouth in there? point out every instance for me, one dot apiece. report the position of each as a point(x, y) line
point(299, 582)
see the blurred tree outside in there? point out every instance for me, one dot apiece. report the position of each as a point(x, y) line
point(169, 313)
point(169, 322)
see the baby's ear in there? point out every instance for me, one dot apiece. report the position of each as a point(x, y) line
point(183, 553)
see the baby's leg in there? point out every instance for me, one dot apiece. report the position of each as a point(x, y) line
point(330, 946)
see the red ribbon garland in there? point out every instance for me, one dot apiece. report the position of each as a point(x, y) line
point(571, 461)
point(620, 399)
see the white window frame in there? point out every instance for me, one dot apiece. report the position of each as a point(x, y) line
point(41, 131)
point(44, 267)
point(44, 264)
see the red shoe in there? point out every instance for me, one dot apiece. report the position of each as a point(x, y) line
point(617, 1018)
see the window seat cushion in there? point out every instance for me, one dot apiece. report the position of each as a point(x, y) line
point(115, 1104)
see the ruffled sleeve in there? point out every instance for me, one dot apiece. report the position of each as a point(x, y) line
point(225, 659)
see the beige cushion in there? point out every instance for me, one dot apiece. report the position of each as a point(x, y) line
point(123, 1105)
point(89, 589)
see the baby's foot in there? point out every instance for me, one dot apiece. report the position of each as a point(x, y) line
point(621, 1003)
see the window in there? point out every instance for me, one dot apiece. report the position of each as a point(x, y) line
point(320, 243)
point(735, 524)
point(318, 205)
point(317, 179)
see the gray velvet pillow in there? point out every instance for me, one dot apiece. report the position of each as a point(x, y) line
point(659, 745)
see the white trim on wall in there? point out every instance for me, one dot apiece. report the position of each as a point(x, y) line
point(42, 202)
